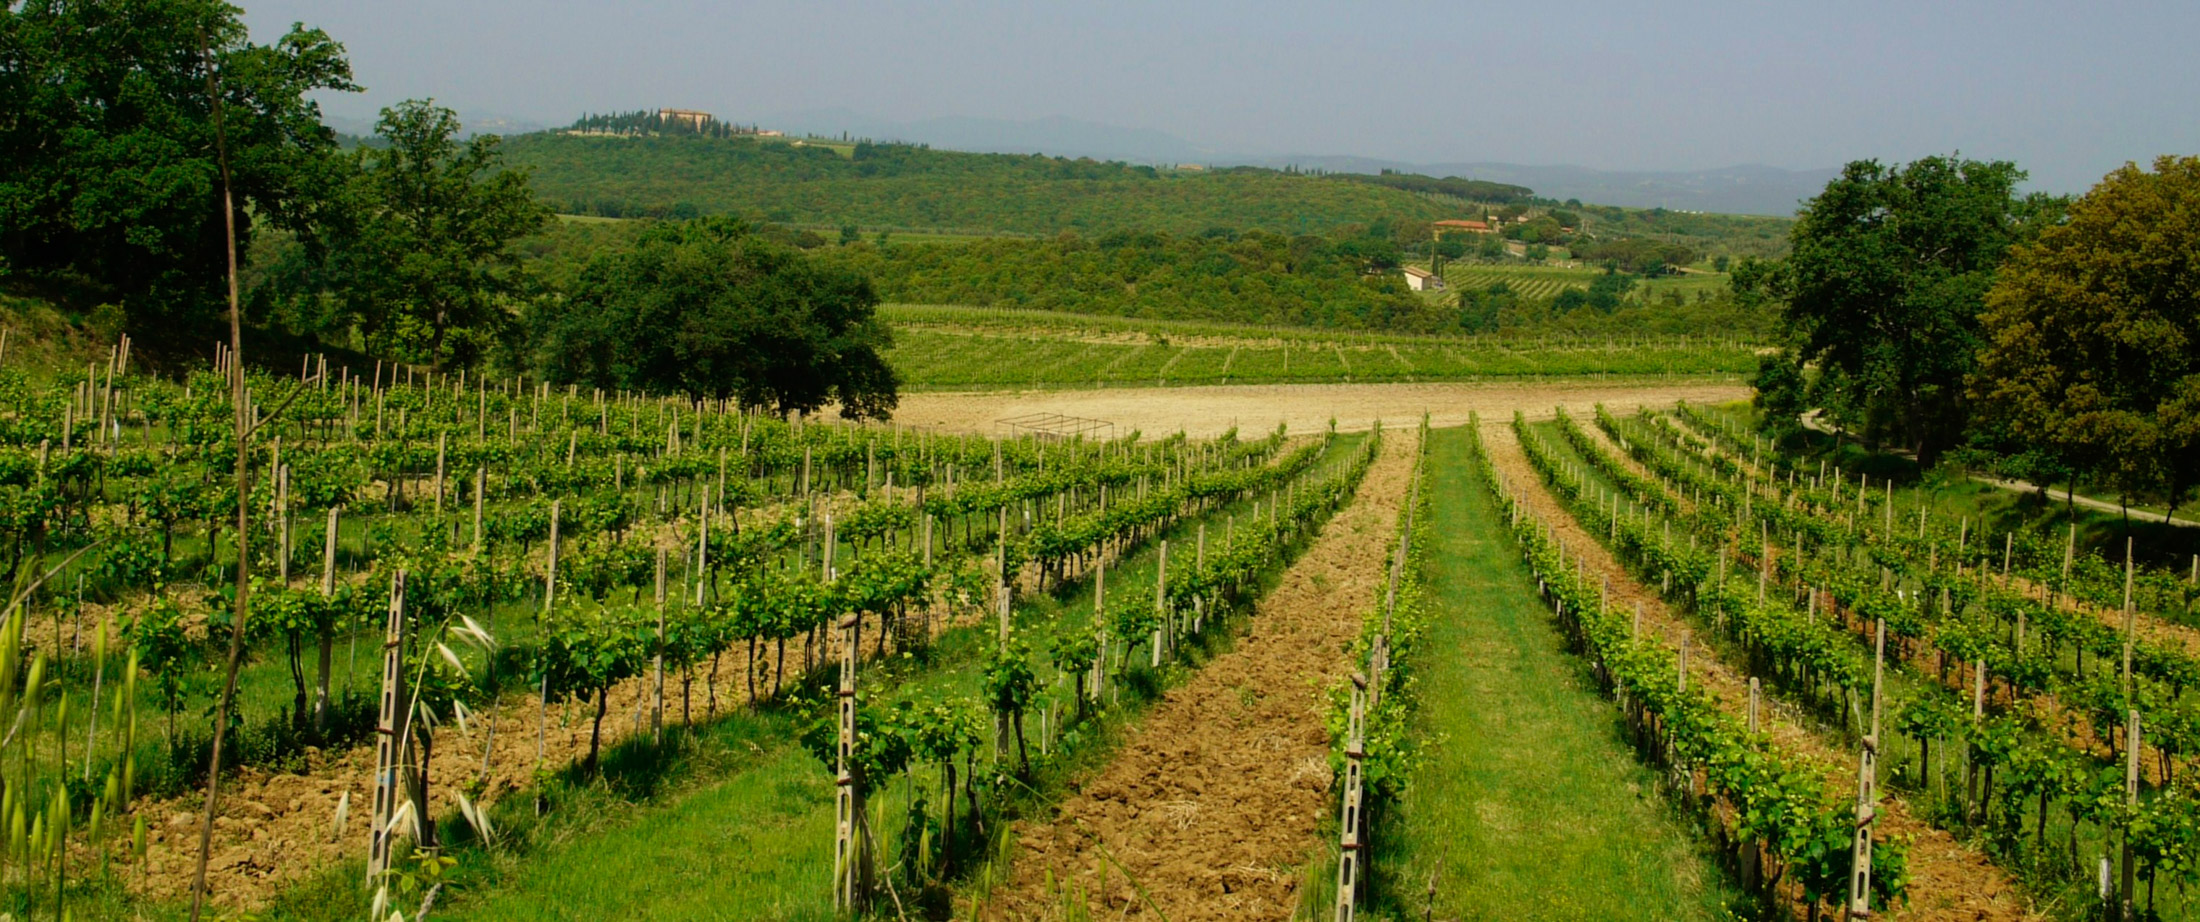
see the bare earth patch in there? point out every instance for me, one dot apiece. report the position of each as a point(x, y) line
point(1208, 411)
point(1218, 797)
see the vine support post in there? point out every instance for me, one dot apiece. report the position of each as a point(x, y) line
point(550, 576)
point(1161, 604)
point(657, 661)
point(846, 892)
point(282, 523)
point(481, 483)
point(387, 746)
point(328, 591)
point(1099, 626)
point(1199, 565)
point(702, 545)
point(1867, 787)
point(2129, 891)
point(2130, 615)
point(442, 440)
point(1349, 855)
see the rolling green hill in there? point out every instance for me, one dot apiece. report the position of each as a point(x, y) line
point(1251, 278)
point(907, 186)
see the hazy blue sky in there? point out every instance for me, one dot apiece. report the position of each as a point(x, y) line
point(2068, 90)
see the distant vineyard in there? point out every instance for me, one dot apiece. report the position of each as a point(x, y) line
point(948, 355)
point(1539, 282)
point(1545, 282)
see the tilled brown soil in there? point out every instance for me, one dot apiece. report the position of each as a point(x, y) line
point(1257, 408)
point(275, 829)
point(1214, 803)
point(1949, 880)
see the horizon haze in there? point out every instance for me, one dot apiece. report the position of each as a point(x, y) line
point(1515, 93)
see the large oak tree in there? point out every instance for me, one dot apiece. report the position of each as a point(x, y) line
point(413, 254)
point(109, 186)
point(1885, 285)
point(709, 308)
point(2093, 334)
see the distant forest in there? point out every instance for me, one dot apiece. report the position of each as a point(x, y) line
point(911, 186)
point(1345, 280)
point(1255, 277)
point(648, 122)
point(1476, 190)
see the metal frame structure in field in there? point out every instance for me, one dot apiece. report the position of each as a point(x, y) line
point(1057, 426)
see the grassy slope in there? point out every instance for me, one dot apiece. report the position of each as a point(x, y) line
point(1529, 804)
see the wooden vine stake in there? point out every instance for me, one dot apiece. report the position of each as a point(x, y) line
point(550, 576)
point(2131, 746)
point(387, 745)
point(1199, 565)
point(1099, 626)
point(2129, 893)
point(441, 439)
point(657, 662)
point(1348, 821)
point(1161, 603)
point(1867, 790)
point(328, 591)
point(481, 477)
point(846, 892)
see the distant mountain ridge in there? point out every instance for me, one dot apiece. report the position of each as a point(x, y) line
point(1742, 189)
point(469, 124)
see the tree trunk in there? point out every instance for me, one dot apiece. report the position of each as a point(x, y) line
point(751, 670)
point(595, 732)
point(711, 686)
point(426, 741)
point(293, 648)
point(1017, 719)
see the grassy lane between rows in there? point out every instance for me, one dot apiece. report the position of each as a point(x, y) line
point(1527, 802)
point(742, 826)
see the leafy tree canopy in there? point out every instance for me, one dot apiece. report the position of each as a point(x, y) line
point(1346, 281)
point(414, 255)
point(2093, 334)
point(710, 308)
point(110, 189)
point(1888, 275)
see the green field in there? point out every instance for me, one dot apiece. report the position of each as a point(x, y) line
point(1528, 804)
point(1541, 282)
point(1545, 282)
point(956, 348)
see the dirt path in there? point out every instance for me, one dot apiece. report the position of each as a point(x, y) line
point(1206, 411)
point(1214, 803)
point(1948, 880)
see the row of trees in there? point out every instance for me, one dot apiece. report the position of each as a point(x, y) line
point(1935, 307)
point(110, 194)
point(1343, 280)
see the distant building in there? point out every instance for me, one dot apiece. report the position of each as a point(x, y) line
point(694, 119)
point(1420, 279)
point(1471, 227)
